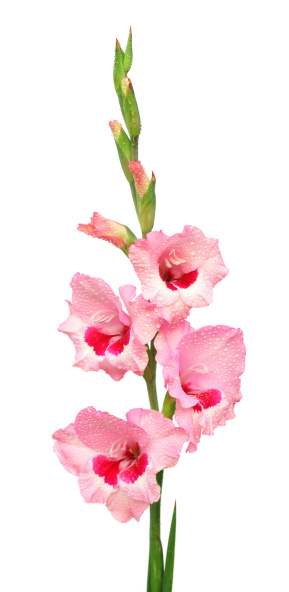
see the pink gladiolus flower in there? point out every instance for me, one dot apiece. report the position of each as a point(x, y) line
point(177, 272)
point(116, 461)
point(203, 374)
point(101, 331)
point(113, 232)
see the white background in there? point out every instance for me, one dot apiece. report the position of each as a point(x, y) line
point(211, 80)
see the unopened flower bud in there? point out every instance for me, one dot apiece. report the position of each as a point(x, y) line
point(140, 177)
point(147, 196)
point(118, 70)
point(123, 145)
point(117, 234)
point(148, 208)
point(127, 60)
point(131, 112)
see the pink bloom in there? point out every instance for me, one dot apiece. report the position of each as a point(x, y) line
point(177, 272)
point(101, 331)
point(113, 232)
point(116, 461)
point(203, 374)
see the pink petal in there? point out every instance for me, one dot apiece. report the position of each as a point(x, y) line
point(92, 487)
point(133, 357)
point(71, 451)
point(124, 508)
point(164, 442)
point(145, 316)
point(92, 298)
point(188, 419)
point(144, 489)
point(221, 351)
point(168, 339)
point(99, 430)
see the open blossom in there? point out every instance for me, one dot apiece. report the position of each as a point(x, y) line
point(203, 373)
point(178, 272)
point(113, 232)
point(101, 331)
point(116, 461)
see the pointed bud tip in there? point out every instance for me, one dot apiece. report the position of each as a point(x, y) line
point(116, 128)
point(117, 44)
point(153, 177)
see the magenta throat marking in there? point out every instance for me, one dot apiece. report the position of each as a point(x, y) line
point(102, 343)
point(207, 399)
point(129, 467)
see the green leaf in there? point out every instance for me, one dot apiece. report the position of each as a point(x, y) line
point(170, 557)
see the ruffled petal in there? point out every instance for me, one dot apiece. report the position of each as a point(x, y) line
point(123, 508)
point(99, 430)
point(168, 339)
point(71, 451)
point(165, 440)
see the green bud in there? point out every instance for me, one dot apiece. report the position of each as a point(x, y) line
point(131, 112)
point(118, 70)
point(147, 208)
point(123, 145)
point(169, 406)
point(127, 60)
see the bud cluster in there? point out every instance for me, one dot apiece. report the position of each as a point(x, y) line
point(142, 189)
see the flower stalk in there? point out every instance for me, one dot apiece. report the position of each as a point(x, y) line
point(156, 561)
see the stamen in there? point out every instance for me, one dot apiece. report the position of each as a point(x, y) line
point(102, 316)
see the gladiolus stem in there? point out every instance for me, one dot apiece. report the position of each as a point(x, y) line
point(150, 377)
point(134, 149)
point(134, 197)
point(156, 562)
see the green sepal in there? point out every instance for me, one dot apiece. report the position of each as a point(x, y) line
point(170, 556)
point(147, 208)
point(127, 60)
point(118, 70)
point(169, 406)
point(130, 109)
point(130, 236)
point(123, 145)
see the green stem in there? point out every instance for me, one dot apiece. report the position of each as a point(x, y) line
point(150, 378)
point(134, 149)
point(134, 197)
point(156, 562)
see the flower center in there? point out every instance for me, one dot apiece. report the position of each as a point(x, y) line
point(172, 273)
point(207, 398)
point(103, 343)
point(127, 464)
